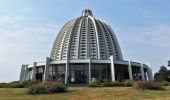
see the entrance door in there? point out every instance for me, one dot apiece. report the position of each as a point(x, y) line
point(81, 77)
point(78, 73)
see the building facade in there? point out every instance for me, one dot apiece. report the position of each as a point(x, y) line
point(86, 49)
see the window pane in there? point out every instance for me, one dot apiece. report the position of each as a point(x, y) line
point(60, 68)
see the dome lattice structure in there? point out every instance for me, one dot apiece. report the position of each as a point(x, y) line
point(86, 37)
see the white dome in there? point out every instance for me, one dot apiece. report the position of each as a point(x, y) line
point(86, 37)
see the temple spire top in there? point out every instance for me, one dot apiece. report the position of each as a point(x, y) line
point(87, 12)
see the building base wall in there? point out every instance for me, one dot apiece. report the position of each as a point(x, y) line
point(84, 71)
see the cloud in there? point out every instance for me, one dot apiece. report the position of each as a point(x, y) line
point(146, 44)
point(22, 44)
point(5, 20)
point(156, 36)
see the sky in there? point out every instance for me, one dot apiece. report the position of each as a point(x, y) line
point(28, 29)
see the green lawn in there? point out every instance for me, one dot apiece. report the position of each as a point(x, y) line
point(86, 93)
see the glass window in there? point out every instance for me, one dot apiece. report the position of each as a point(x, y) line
point(71, 67)
point(57, 71)
point(60, 68)
point(79, 67)
point(78, 73)
point(100, 72)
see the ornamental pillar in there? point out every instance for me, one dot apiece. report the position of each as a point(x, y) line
point(89, 70)
point(130, 70)
point(142, 72)
point(34, 71)
point(112, 68)
point(46, 70)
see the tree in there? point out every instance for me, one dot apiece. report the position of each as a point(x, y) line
point(162, 74)
point(169, 63)
point(168, 75)
point(156, 76)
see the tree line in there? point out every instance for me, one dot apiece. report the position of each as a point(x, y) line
point(163, 74)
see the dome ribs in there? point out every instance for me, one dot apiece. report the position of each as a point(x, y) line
point(86, 37)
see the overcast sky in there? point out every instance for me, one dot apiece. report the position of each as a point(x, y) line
point(28, 29)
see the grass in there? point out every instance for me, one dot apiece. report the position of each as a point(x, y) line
point(86, 93)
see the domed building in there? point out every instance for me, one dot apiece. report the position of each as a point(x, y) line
point(86, 49)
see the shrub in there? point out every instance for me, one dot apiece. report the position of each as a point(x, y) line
point(112, 84)
point(3, 85)
point(165, 83)
point(47, 87)
point(54, 88)
point(128, 83)
point(116, 83)
point(15, 84)
point(94, 83)
point(29, 83)
point(151, 85)
point(36, 89)
point(61, 87)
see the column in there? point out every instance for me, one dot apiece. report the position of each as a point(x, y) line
point(89, 70)
point(34, 71)
point(25, 73)
point(147, 79)
point(149, 73)
point(46, 70)
point(112, 68)
point(66, 71)
point(130, 70)
point(22, 73)
point(142, 72)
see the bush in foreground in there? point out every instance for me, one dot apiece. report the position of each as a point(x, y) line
point(47, 87)
point(3, 85)
point(151, 85)
point(17, 84)
point(29, 83)
point(94, 83)
point(165, 83)
point(128, 83)
point(14, 84)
